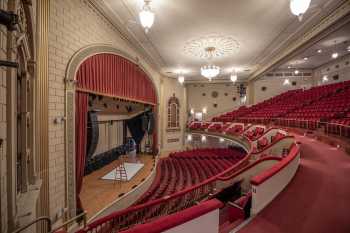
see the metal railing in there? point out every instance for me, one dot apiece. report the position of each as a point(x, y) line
point(78, 218)
point(43, 218)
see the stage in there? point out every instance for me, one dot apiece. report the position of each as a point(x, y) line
point(97, 193)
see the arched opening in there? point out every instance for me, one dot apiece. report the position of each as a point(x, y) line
point(120, 85)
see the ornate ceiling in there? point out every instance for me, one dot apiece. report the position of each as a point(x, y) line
point(249, 33)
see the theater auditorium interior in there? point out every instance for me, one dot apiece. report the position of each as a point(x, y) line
point(186, 116)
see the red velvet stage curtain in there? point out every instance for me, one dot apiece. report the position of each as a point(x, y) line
point(116, 76)
point(81, 109)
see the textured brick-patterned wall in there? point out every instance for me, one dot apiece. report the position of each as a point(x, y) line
point(3, 165)
point(73, 25)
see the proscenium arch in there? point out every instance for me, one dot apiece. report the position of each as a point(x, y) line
point(73, 65)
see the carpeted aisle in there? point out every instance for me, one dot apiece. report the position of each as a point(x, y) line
point(318, 198)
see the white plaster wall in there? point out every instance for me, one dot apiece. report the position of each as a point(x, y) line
point(275, 86)
point(197, 101)
point(208, 223)
point(340, 67)
point(264, 193)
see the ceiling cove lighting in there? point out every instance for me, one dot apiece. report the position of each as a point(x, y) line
point(299, 7)
point(146, 16)
point(335, 55)
point(181, 79)
point(210, 71)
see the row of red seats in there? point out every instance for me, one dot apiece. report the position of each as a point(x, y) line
point(255, 133)
point(299, 108)
point(187, 168)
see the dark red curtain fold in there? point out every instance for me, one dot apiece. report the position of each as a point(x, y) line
point(114, 75)
point(81, 109)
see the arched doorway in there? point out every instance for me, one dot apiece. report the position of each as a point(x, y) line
point(105, 71)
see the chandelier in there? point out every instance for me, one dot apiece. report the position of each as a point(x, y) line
point(299, 7)
point(210, 71)
point(146, 16)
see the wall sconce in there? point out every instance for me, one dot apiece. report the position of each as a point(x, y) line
point(59, 120)
point(204, 110)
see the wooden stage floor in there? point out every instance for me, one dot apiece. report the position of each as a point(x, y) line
point(97, 193)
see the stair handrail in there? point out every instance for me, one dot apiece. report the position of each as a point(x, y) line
point(66, 223)
point(42, 218)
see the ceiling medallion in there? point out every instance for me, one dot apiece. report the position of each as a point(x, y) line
point(223, 46)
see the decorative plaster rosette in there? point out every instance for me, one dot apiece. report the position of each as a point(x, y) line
point(224, 46)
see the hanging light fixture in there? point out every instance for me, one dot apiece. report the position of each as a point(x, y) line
point(335, 54)
point(210, 71)
point(146, 16)
point(181, 79)
point(234, 76)
point(299, 7)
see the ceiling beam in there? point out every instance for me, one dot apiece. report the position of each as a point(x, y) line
point(327, 25)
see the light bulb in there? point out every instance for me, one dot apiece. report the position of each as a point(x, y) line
point(296, 72)
point(286, 82)
point(325, 78)
point(204, 138)
point(146, 17)
point(204, 110)
point(189, 137)
point(319, 51)
point(181, 79)
point(233, 77)
point(299, 7)
point(335, 55)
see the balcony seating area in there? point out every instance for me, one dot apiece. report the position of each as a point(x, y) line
point(230, 116)
point(340, 126)
point(235, 130)
point(187, 168)
point(308, 109)
point(254, 133)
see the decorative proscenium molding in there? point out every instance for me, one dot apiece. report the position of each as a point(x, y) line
point(326, 23)
point(70, 79)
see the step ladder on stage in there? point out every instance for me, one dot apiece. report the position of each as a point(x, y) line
point(120, 171)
